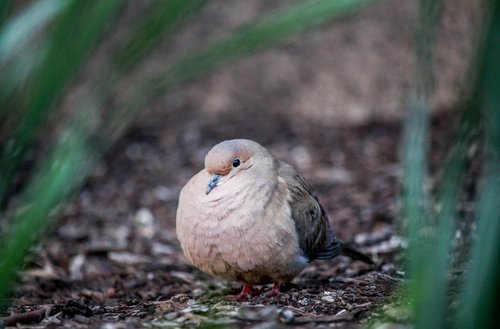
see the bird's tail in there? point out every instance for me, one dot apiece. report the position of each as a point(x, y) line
point(354, 254)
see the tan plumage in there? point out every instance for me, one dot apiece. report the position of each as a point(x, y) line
point(251, 218)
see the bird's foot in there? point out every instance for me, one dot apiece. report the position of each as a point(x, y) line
point(246, 291)
point(275, 291)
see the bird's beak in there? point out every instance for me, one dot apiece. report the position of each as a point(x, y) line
point(214, 181)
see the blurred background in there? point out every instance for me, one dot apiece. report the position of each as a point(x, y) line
point(109, 107)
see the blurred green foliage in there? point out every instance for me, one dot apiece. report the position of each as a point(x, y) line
point(431, 220)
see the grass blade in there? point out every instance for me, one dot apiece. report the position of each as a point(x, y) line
point(63, 172)
point(19, 31)
point(74, 35)
point(155, 27)
point(428, 274)
point(482, 282)
point(251, 38)
point(22, 47)
point(164, 16)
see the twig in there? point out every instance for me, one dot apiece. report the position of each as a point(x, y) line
point(25, 318)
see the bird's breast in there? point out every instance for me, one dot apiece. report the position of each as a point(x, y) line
point(245, 234)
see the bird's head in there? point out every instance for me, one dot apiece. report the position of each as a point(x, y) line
point(233, 157)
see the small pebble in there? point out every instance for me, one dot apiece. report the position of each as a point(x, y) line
point(286, 316)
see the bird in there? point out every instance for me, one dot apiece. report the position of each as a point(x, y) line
point(252, 218)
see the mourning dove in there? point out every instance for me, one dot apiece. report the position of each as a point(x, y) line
point(249, 217)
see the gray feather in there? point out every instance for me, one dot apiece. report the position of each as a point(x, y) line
point(316, 237)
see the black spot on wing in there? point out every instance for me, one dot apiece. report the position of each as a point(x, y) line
point(332, 247)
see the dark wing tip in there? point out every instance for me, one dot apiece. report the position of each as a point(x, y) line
point(332, 248)
point(331, 251)
point(354, 254)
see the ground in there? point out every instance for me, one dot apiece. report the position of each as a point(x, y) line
point(113, 257)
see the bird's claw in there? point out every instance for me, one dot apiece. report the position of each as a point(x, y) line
point(246, 292)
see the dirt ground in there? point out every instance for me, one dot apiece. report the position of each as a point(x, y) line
point(113, 260)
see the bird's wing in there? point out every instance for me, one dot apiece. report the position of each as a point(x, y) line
point(316, 237)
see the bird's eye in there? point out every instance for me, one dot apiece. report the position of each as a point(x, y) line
point(236, 162)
